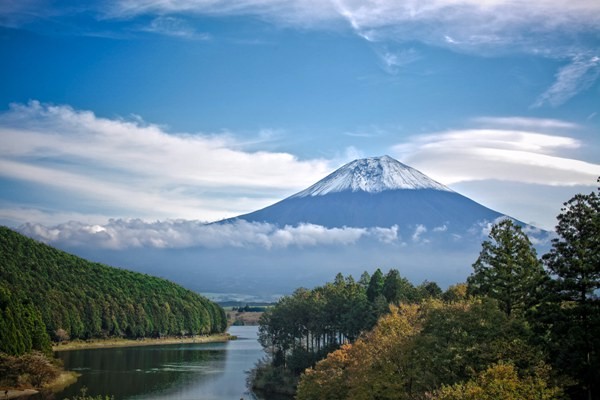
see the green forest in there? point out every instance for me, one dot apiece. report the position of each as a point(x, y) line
point(521, 327)
point(47, 295)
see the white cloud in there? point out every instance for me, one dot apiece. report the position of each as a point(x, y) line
point(463, 24)
point(385, 235)
point(524, 122)
point(547, 28)
point(393, 60)
point(419, 231)
point(501, 154)
point(177, 27)
point(471, 24)
point(305, 13)
point(516, 166)
point(484, 228)
point(138, 167)
point(134, 233)
point(442, 228)
point(571, 79)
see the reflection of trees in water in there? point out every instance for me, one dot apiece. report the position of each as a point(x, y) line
point(127, 372)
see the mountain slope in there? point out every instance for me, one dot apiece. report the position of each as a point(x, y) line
point(377, 191)
point(69, 296)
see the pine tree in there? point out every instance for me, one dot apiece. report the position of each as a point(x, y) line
point(397, 289)
point(507, 269)
point(574, 261)
point(375, 288)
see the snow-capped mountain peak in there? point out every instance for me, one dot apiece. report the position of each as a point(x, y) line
point(372, 175)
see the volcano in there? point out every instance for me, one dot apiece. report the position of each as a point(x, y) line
point(376, 192)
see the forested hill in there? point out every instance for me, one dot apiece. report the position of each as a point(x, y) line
point(47, 294)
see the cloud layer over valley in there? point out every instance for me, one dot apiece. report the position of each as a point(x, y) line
point(172, 234)
point(262, 259)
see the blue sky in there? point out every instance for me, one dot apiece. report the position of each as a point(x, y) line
point(202, 110)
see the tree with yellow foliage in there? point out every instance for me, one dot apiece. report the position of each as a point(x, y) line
point(501, 381)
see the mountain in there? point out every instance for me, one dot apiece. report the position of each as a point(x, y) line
point(370, 213)
point(376, 192)
point(48, 294)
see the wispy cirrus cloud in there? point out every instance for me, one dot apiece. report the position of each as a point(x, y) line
point(512, 25)
point(575, 77)
point(392, 60)
point(501, 153)
point(546, 28)
point(140, 168)
point(177, 27)
point(525, 123)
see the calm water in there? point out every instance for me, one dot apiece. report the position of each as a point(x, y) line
point(211, 371)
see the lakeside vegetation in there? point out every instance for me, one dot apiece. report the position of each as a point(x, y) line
point(123, 342)
point(245, 315)
point(47, 295)
point(521, 327)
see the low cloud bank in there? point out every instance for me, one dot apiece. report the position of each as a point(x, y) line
point(120, 234)
point(171, 234)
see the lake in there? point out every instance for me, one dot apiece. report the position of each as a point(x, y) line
point(211, 371)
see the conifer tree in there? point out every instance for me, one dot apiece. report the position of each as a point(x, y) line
point(375, 288)
point(574, 261)
point(507, 269)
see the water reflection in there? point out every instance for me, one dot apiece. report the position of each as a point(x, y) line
point(212, 371)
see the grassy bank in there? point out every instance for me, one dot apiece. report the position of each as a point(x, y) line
point(243, 318)
point(119, 342)
point(66, 378)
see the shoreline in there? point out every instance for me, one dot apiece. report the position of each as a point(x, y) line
point(16, 393)
point(64, 379)
point(120, 342)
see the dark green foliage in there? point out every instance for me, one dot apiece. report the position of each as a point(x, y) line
point(508, 269)
point(375, 287)
point(303, 328)
point(429, 290)
point(397, 289)
point(21, 327)
point(574, 322)
point(267, 378)
point(247, 308)
point(575, 255)
point(46, 293)
point(563, 307)
point(364, 280)
point(463, 338)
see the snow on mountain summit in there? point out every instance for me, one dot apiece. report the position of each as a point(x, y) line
point(372, 175)
point(377, 192)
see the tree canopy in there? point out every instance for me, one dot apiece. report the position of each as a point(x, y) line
point(507, 269)
point(49, 294)
point(418, 349)
point(574, 262)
